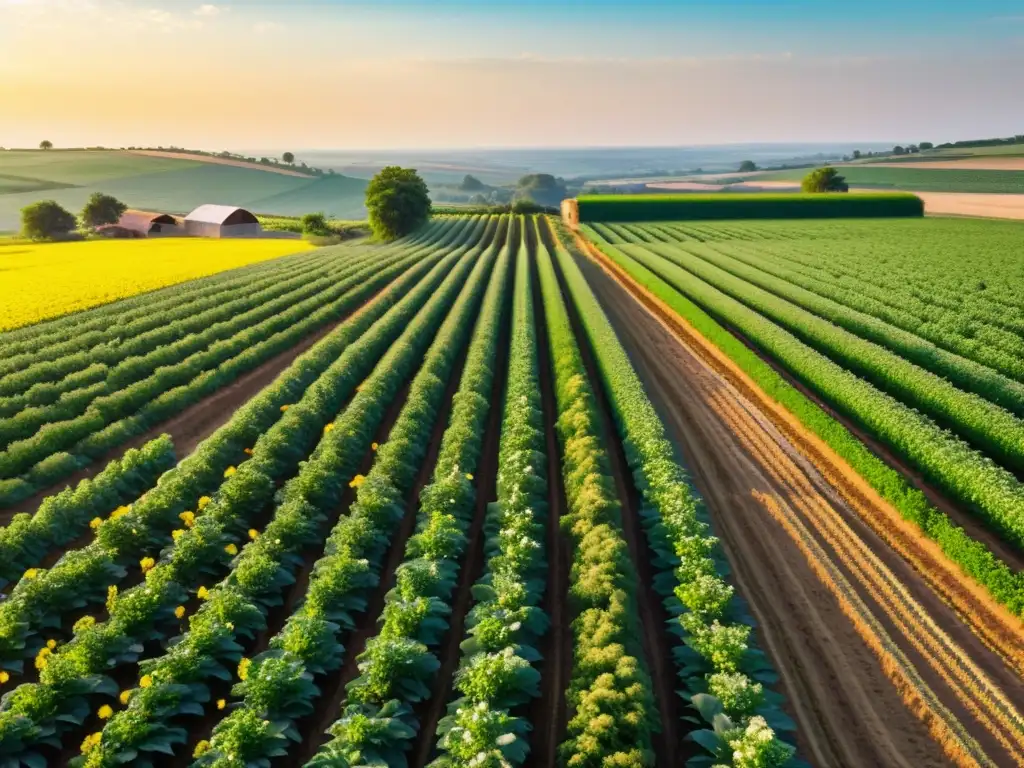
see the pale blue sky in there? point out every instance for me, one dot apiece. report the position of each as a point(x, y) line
point(330, 73)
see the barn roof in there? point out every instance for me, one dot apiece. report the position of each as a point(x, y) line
point(220, 214)
point(141, 221)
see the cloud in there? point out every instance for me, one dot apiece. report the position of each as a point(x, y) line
point(266, 27)
point(209, 10)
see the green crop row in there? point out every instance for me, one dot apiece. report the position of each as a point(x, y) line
point(610, 698)
point(70, 675)
point(686, 207)
point(177, 683)
point(721, 671)
point(495, 676)
point(398, 667)
point(992, 429)
point(860, 400)
point(325, 375)
point(63, 517)
point(277, 688)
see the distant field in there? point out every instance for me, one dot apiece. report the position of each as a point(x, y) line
point(167, 184)
point(45, 281)
point(919, 179)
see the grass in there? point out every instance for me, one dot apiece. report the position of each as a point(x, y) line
point(917, 179)
point(42, 281)
point(745, 206)
point(166, 184)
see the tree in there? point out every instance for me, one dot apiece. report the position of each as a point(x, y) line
point(46, 144)
point(898, 150)
point(101, 209)
point(748, 166)
point(825, 179)
point(856, 154)
point(398, 202)
point(926, 145)
point(471, 184)
point(46, 220)
point(288, 157)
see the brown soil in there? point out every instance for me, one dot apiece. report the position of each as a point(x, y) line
point(973, 204)
point(221, 161)
point(548, 714)
point(892, 662)
point(991, 163)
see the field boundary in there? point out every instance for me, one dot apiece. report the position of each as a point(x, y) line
point(1000, 630)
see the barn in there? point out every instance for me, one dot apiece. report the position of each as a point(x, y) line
point(222, 221)
point(146, 224)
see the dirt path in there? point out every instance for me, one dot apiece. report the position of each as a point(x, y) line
point(822, 585)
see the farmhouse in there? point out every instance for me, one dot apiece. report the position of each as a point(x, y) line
point(222, 221)
point(146, 224)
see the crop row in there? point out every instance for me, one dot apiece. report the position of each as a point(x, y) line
point(61, 517)
point(992, 429)
point(208, 542)
point(496, 673)
point(993, 492)
point(399, 665)
point(721, 671)
point(856, 398)
point(276, 688)
point(322, 378)
point(610, 697)
point(169, 399)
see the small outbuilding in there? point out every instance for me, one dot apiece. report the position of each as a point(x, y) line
point(222, 221)
point(144, 224)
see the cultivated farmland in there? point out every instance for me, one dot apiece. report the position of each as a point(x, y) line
point(498, 494)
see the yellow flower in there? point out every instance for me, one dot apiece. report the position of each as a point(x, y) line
point(357, 481)
point(229, 471)
point(4, 677)
point(247, 451)
point(329, 427)
point(125, 695)
point(179, 612)
point(51, 643)
point(221, 703)
point(203, 501)
point(231, 549)
point(31, 573)
point(243, 669)
point(95, 523)
point(83, 623)
point(146, 564)
point(111, 596)
point(253, 534)
point(469, 476)
point(177, 533)
point(285, 408)
point(374, 446)
point(201, 748)
point(146, 681)
point(188, 518)
point(105, 712)
point(91, 741)
point(119, 512)
point(42, 658)
point(203, 593)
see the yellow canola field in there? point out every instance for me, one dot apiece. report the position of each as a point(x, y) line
point(39, 281)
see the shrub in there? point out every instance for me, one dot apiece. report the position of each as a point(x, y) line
point(825, 179)
point(398, 202)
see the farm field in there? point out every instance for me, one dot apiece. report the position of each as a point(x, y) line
point(168, 184)
point(46, 280)
point(907, 176)
point(494, 495)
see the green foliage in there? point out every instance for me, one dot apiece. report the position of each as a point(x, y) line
point(315, 224)
point(288, 157)
point(101, 209)
point(825, 179)
point(398, 202)
point(689, 207)
point(46, 220)
point(747, 166)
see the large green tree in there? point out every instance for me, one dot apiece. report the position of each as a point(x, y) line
point(46, 220)
point(101, 209)
point(398, 202)
point(825, 179)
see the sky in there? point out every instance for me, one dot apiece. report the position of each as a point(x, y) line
point(408, 74)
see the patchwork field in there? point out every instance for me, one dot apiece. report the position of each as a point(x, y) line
point(909, 176)
point(170, 184)
point(500, 494)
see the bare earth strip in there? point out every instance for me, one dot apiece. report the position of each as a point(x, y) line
point(993, 163)
point(220, 161)
point(973, 204)
point(872, 655)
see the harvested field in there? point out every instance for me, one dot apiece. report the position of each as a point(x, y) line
point(283, 170)
point(990, 163)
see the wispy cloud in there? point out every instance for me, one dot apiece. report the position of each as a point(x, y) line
point(209, 10)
